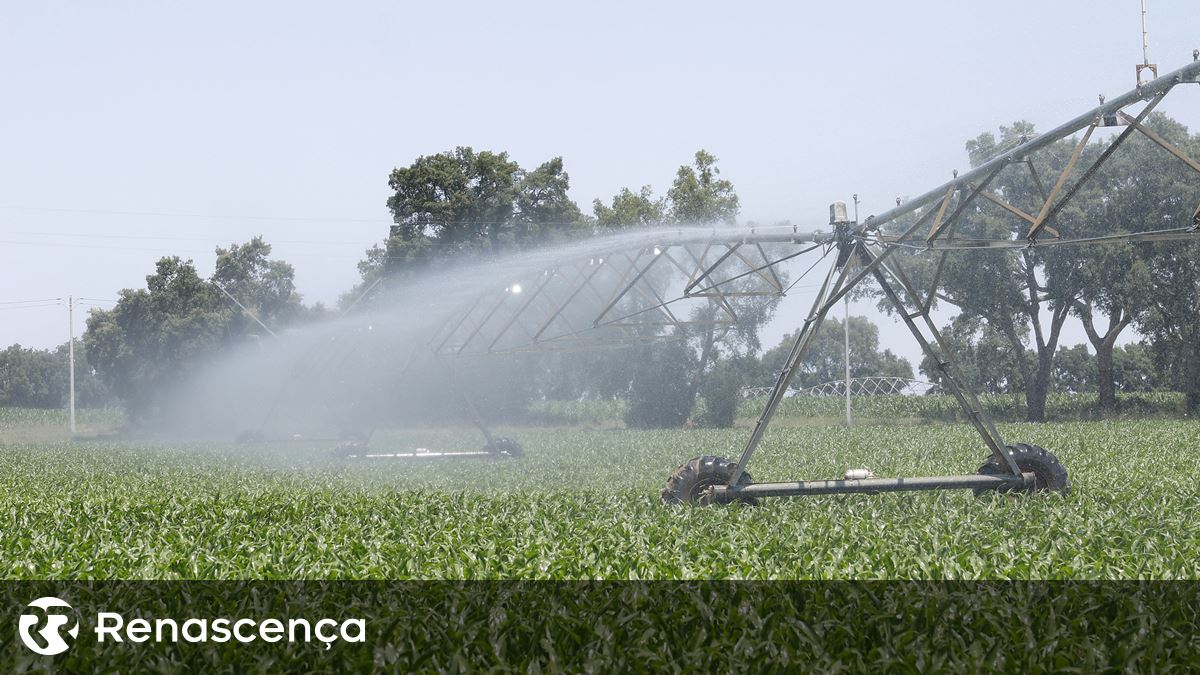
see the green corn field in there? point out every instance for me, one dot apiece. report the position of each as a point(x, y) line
point(584, 504)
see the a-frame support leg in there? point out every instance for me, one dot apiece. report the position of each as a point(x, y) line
point(933, 344)
point(939, 350)
point(816, 316)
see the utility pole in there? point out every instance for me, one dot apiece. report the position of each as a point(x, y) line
point(846, 326)
point(71, 351)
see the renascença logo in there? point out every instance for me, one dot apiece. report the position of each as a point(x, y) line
point(51, 634)
point(60, 617)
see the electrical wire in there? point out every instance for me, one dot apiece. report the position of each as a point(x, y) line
point(48, 304)
point(21, 302)
point(810, 268)
point(212, 216)
point(157, 237)
point(301, 219)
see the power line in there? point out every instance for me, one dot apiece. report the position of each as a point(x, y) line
point(213, 216)
point(21, 302)
point(162, 250)
point(304, 219)
point(49, 304)
point(294, 254)
point(213, 238)
point(175, 238)
point(73, 245)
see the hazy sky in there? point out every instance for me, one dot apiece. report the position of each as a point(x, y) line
point(133, 130)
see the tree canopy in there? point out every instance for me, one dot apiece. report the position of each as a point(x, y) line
point(158, 336)
point(38, 378)
point(698, 196)
point(464, 203)
point(631, 209)
point(826, 357)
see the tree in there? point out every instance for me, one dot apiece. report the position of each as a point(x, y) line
point(465, 204)
point(1105, 342)
point(265, 287)
point(543, 208)
point(825, 360)
point(370, 272)
point(603, 374)
point(1140, 188)
point(721, 393)
point(30, 378)
point(1076, 370)
point(1024, 296)
point(696, 196)
point(1165, 194)
point(699, 196)
point(155, 337)
point(631, 209)
point(983, 354)
point(459, 202)
point(659, 396)
point(712, 341)
point(39, 378)
point(1133, 368)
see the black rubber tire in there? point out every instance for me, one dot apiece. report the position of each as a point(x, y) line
point(505, 448)
point(1050, 474)
point(689, 483)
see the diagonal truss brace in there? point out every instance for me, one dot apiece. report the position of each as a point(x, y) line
point(832, 290)
point(1147, 92)
point(1162, 142)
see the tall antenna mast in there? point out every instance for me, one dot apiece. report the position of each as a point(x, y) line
point(1145, 65)
point(1145, 38)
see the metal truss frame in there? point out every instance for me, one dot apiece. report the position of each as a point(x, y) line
point(864, 250)
point(622, 295)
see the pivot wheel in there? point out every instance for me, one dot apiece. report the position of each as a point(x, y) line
point(505, 448)
point(692, 482)
point(1049, 474)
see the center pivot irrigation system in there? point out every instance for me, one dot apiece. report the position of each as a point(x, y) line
point(668, 284)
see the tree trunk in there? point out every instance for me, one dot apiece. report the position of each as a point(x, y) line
point(1035, 390)
point(1106, 383)
point(706, 353)
point(1192, 380)
point(1026, 373)
point(1104, 346)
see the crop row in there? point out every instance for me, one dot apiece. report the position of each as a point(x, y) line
point(941, 408)
point(584, 504)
